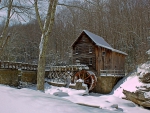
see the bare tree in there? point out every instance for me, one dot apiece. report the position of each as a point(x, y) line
point(46, 30)
point(4, 37)
point(14, 9)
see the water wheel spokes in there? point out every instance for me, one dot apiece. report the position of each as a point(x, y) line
point(87, 77)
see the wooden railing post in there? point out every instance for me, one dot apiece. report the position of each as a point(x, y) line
point(114, 72)
point(100, 72)
point(0, 64)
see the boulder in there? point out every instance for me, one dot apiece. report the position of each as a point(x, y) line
point(142, 95)
point(145, 78)
point(138, 97)
point(79, 86)
point(146, 104)
point(114, 106)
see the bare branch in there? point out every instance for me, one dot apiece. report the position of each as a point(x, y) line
point(89, 2)
point(52, 17)
point(8, 18)
point(3, 7)
point(73, 6)
point(38, 15)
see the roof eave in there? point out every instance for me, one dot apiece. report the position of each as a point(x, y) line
point(121, 52)
point(112, 49)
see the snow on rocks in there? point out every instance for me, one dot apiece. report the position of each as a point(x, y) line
point(60, 94)
point(136, 86)
point(138, 97)
point(80, 80)
point(114, 106)
point(143, 69)
point(104, 102)
point(130, 83)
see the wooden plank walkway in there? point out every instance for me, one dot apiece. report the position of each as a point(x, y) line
point(115, 73)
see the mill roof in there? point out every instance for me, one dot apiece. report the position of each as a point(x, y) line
point(148, 52)
point(99, 41)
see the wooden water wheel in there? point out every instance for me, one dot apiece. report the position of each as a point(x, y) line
point(88, 77)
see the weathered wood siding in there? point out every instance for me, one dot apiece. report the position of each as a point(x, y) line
point(84, 50)
point(102, 58)
point(105, 58)
point(118, 61)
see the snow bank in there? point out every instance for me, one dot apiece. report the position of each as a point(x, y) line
point(107, 102)
point(52, 90)
point(130, 83)
point(27, 100)
point(30, 101)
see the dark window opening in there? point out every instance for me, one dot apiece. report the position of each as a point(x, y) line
point(103, 53)
point(83, 38)
point(77, 62)
point(90, 61)
point(77, 50)
point(90, 49)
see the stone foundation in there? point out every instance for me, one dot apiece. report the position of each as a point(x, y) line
point(29, 76)
point(105, 84)
point(12, 76)
point(9, 77)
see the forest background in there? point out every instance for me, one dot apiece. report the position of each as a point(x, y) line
point(124, 24)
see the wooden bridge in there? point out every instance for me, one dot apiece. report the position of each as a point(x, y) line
point(60, 73)
point(17, 65)
point(12, 72)
point(114, 73)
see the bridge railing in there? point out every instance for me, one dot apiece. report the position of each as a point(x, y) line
point(17, 65)
point(115, 73)
point(61, 73)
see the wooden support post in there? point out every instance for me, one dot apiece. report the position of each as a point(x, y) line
point(8, 64)
point(114, 72)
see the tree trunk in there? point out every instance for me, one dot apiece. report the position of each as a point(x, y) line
point(41, 64)
point(46, 31)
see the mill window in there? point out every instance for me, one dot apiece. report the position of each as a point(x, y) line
point(103, 53)
point(90, 49)
point(90, 61)
point(77, 50)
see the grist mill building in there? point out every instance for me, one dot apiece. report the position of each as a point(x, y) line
point(107, 63)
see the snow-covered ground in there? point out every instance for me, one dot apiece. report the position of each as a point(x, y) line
point(61, 100)
point(66, 100)
point(130, 83)
point(30, 101)
point(108, 102)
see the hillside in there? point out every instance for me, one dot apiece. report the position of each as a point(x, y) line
point(135, 86)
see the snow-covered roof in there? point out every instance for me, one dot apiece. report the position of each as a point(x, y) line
point(99, 41)
point(148, 52)
point(115, 50)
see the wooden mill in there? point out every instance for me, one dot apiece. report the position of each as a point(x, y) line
point(106, 65)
